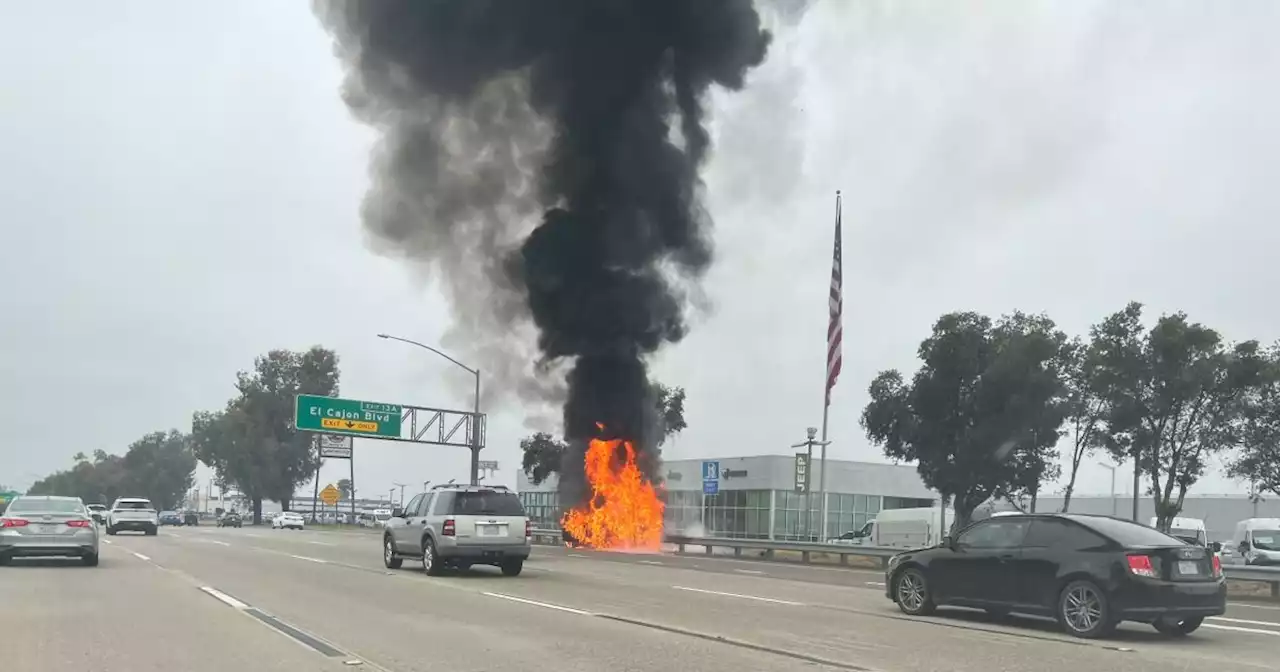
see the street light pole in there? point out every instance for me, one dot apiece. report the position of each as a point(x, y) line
point(401, 486)
point(475, 414)
point(1112, 468)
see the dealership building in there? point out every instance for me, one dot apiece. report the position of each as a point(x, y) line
point(762, 497)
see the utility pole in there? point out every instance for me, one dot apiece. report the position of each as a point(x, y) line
point(401, 486)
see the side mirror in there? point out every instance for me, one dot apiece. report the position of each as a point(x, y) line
point(1216, 546)
point(1244, 545)
point(949, 542)
point(397, 512)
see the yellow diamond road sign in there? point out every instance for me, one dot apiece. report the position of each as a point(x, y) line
point(330, 495)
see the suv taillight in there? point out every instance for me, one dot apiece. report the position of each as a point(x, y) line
point(1217, 566)
point(448, 529)
point(1140, 565)
point(12, 522)
point(528, 528)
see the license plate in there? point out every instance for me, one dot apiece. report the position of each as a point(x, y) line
point(490, 530)
point(1188, 567)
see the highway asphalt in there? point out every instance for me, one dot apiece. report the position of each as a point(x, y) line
point(204, 599)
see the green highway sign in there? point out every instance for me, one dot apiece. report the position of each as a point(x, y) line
point(347, 416)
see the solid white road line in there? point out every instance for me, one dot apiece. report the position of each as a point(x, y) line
point(107, 541)
point(1241, 621)
point(225, 598)
point(1238, 629)
point(141, 556)
point(649, 562)
point(213, 541)
point(319, 543)
point(749, 571)
point(740, 596)
point(1253, 606)
point(535, 603)
point(303, 557)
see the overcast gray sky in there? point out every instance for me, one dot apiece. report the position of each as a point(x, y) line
point(181, 184)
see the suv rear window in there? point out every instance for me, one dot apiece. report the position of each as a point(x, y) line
point(136, 505)
point(1128, 533)
point(487, 503)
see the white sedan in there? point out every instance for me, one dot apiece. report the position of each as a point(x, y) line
point(289, 520)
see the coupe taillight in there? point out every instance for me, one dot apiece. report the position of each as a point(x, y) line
point(78, 523)
point(12, 522)
point(1140, 565)
point(449, 528)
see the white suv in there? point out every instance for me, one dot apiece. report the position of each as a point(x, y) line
point(133, 513)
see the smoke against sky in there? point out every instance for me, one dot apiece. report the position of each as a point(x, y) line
point(569, 107)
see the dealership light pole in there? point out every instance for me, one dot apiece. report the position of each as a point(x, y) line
point(475, 415)
point(1112, 468)
point(808, 478)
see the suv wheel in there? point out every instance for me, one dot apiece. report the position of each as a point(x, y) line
point(152, 531)
point(389, 554)
point(512, 567)
point(1084, 612)
point(90, 560)
point(430, 563)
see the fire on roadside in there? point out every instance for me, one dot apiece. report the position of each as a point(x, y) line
point(625, 511)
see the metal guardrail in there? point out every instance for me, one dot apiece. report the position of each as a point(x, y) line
point(806, 549)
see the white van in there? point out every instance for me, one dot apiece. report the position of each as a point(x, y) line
point(1257, 541)
point(902, 528)
point(1190, 530)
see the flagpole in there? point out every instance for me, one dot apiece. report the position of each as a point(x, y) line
point(826, 408)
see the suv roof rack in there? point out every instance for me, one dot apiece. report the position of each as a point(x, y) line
point(468, 486)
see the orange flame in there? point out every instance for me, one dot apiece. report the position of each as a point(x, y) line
point(625, 512)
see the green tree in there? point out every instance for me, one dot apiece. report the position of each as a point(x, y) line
point(1084, 410)
point(253, 443)
point(344, 488)
point(161, 467)
point(1176, 395)
point(980, 410)
point(1258, 461)
point(542, 453)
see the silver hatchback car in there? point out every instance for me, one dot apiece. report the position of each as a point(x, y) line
point(43, 526)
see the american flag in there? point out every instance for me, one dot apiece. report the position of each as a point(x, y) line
point(836, 304)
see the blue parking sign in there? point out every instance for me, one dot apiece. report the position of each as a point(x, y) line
point(711, 470)
point(710, 487)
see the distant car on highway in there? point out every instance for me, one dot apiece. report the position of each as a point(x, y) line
point(99, 513)
point(170, 518)
point(460, 526)
point(288, 520)
point(133, 513)
point(230, 519)
point(1088, 572)
point(45, 526)
point(190, 518)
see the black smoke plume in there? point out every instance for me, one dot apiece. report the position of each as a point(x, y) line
point(587, 111)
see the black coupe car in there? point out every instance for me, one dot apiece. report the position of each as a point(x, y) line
point(1088, 572)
